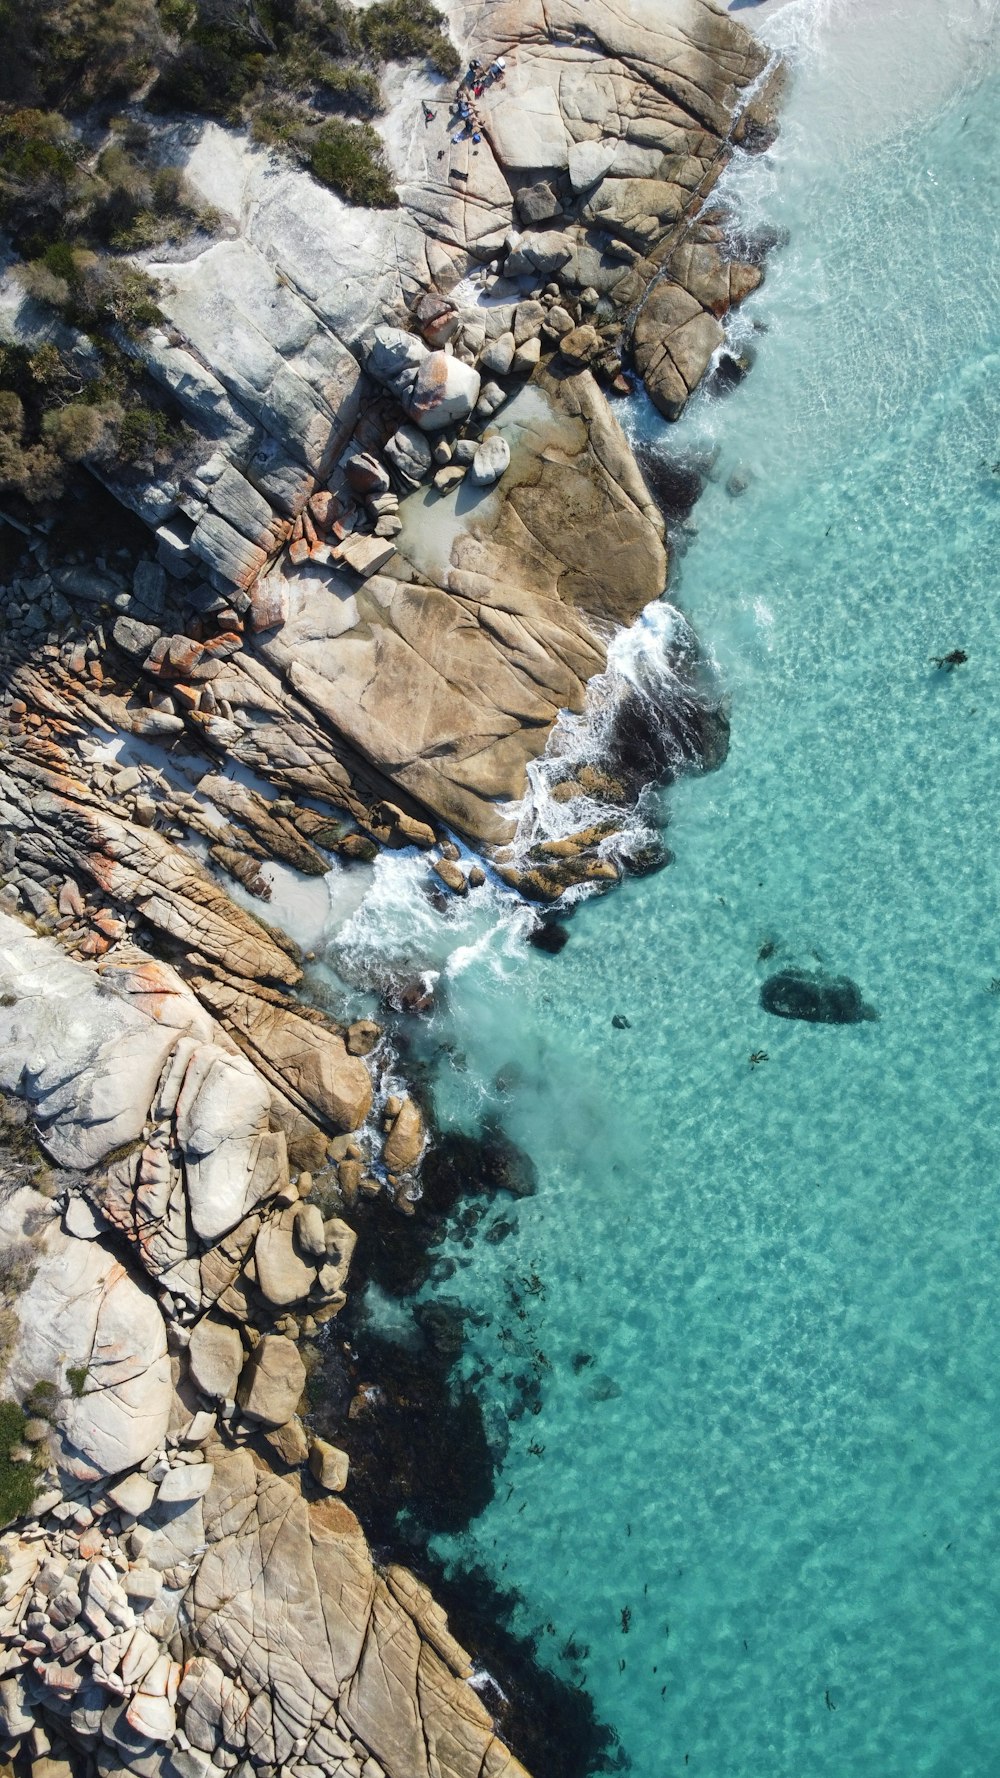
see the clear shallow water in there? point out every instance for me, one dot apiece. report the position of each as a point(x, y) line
point(783, 1441)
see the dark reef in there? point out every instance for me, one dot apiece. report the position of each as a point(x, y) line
point(818, 998)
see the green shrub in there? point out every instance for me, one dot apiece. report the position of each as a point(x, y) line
point(277, 123)
point(58, 258)
point(82, 431)
point(37, 145)
point(111, 291)
point(177, 15)
point(143, 432)
point(31, 469)
point(208, 77)
point(70, 55)
point(76, 1377)
point(349, 158)
point(348, 88)
point(42, 1400)
point(18, 1481)
point(42, 285)
point(397, 30)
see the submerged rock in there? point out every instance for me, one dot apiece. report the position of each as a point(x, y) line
point(550, 936)
point(812, 995)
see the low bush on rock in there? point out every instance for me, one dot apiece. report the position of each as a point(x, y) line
point(51, 420)
point(348, 157)
point(18, 1478)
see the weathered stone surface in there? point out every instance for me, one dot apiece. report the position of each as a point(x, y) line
point(490, 461)
point(282, 365)
point(445, 392)
point(215, 1355)
point(273, 1379)
point(406, 1138)
point(82, 1312)
point(317, 1625)
point(452, 690)
point(306, 1058)
point(330, 1467)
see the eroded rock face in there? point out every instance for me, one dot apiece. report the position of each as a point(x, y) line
point(272, 1381)
point(295, 624)
point(354, 683)
point(290, 1637)
point(84, 1318)
point(328, 1640)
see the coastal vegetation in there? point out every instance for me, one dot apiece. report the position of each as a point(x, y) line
point(17, 1471)
point(84, 90)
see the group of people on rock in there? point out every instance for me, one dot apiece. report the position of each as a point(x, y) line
point(463, 111)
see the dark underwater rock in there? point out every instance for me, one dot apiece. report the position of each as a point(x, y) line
point(459, 1165)
point(676, 483)
point(821, 999)
point(651, 741)
point(415, 1438)
point(549, 936)
point(731, 369)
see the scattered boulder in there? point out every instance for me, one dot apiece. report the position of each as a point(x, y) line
point(283, 1275)
point(366, 555)
point(527, 357)
point(134, 638)
point(490, 461)
point(451, 476)
point(588, 163)
point(329, 1466)
point(580, 345)
point(491, 398)
point(410, 454)
point(445, 392)
point(394, 359)
point(406, 1138)
point(134, 1494)
point(309, 1233)
point(184, 1484)
point(366, 475)
point(818, 998)
point(497, 355)
point(273, 1379)
point(451, 875)
point(362, 1037)
point(437, 317)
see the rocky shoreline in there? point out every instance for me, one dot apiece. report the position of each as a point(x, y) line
point(405, 525)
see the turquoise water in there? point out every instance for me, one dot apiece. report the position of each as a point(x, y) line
point(762, 1302)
